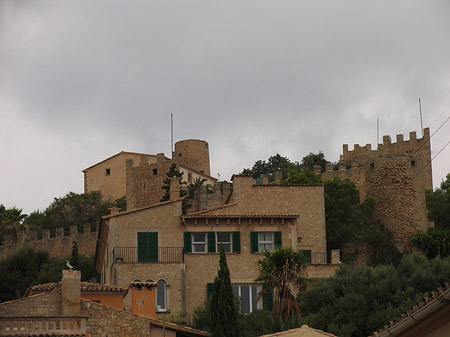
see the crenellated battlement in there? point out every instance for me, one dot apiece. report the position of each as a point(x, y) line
point(59, 246)
point(413, 145)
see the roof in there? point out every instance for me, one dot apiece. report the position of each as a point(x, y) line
point(304, 331)
point(86, 287)
point(162, 203)
point(207, 214)
point(116, 155)
point(198, 172)
point(421, 310)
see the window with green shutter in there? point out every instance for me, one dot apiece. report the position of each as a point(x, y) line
point(254, 242)
point(147, 247)
point(277, 239)
point(211, 242)
point(308, 255)
point(209, 289)
point(236, 242)
point(187, 242)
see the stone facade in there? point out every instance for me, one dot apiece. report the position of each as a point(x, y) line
point(59, 246)
point(194, 153)
point(295, 213)
point(397, 175)
point(109, 175)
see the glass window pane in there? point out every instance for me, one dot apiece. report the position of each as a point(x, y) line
point(198, 237)
point(199, 248)
point(235, 288)
point(245, 298)
point(223, 237)
point(161, 295)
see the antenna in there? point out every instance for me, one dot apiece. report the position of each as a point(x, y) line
point(378, 131)
point(171, 132)
point(421, 121)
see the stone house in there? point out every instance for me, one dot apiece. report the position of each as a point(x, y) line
point(62, 312)
point(158, 243)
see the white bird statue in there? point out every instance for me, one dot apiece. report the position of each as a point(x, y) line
point(68, 265)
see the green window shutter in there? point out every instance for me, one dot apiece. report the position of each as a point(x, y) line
point(211, 242)
point(152, 239)
point(209, 289)
point(187, 242)
point(142, 248)
point(277, 239)
point(254, 242)
point(236, 242)
point(267, 299)
point(308, 255)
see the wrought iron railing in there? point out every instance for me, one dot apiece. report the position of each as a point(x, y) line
point(319, 258)
point(159, 255)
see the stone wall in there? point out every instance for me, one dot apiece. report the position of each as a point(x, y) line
point(47, 304)
point(59, 246)
point(396, 174)
point(107, 321)
point(144, 182)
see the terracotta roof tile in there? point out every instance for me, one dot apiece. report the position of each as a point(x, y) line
point(426, 300)
point(85, 287)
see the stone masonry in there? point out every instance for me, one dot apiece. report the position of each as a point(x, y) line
point(59, 246)
point(396, 175)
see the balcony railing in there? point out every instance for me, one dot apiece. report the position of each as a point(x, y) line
point(157, 255)
point(319, 258)
point(37, 325)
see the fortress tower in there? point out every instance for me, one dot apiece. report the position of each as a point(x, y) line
point(194, 154)
point(396, 175)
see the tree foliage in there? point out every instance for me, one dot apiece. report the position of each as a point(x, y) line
point(28, 267)
point(279, 271)
point(224, 311)
point(436, 241)
point(358, 302)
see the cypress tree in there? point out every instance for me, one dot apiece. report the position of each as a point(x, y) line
point(224, 311)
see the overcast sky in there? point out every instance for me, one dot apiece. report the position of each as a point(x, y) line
point(83, 80)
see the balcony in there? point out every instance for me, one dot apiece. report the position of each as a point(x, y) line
point(154, 255)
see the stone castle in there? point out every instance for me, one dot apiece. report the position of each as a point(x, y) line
point(396, 175)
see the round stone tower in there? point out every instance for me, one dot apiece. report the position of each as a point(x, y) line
point(194, 153)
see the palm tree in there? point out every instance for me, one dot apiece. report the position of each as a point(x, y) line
point(279, 271)
point(11, 220)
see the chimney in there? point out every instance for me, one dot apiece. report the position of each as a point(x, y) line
point(114, 210)
point(264, 179)
point(71, 293)
point(174, 188)
point(278, 177)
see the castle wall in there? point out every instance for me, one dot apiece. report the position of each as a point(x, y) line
point(59, 246)
point(194, 153)
point(396, 175)
point(144, 182)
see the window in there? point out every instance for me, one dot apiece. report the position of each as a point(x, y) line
point(225, 239)
point(199, 242)
point(147, 247)
point(155, 172)
point(265, 242)
point(210, 242)
point(248, 293)
point(261, 241)
point(108, 171)
point(161, 296)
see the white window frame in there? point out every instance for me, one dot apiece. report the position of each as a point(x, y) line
point(263, 243)
point(259, 304)
point(161, 307)
point(229, 243)
point(199, 243)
